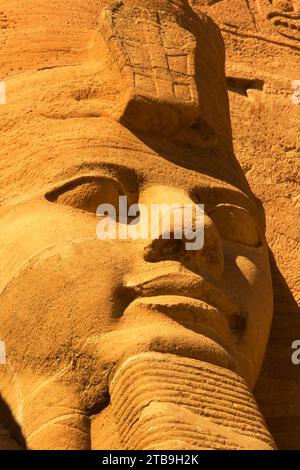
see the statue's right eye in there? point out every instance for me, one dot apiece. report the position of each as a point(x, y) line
point(88, 193)
point(236, 224)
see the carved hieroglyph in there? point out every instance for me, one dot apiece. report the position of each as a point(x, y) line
point(284, 15)
point(129, 344)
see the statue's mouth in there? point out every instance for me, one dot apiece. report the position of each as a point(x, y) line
point(185, 285)
point(193, 314)
point(189, 301)
point(176, 313)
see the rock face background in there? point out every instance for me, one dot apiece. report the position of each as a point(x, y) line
point(263, 59)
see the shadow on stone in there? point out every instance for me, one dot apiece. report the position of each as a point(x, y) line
point(11, 436)
point(277, 390)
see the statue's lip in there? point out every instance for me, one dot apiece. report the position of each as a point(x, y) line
point(191, 313)
point(177, 322)
point(184, 286)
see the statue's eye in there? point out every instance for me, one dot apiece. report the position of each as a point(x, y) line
point(88, 193)
point(236, 224)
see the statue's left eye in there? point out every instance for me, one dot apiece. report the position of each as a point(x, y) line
point(88, 193)
point(236, 224)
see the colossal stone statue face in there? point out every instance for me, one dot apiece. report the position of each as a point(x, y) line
point(130, 100)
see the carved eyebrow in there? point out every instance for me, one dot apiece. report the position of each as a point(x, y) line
point(93, 171)
point(66, 186)
point(212, 196)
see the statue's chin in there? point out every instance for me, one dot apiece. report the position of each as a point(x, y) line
point(162, 401)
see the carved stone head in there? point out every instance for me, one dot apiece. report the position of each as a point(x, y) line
point(107, 100)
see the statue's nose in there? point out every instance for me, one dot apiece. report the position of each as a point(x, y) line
point(179, 230)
